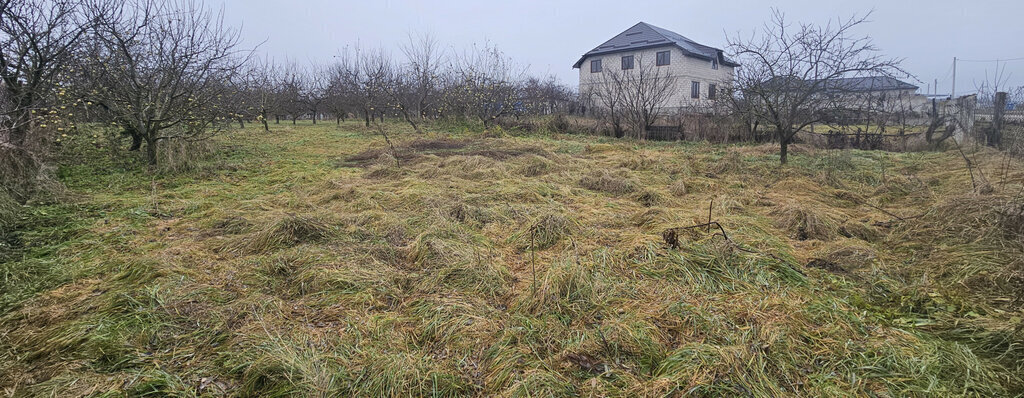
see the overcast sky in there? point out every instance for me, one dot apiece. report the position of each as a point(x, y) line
point(549, 36)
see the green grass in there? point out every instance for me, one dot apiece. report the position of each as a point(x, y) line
point(307, 261)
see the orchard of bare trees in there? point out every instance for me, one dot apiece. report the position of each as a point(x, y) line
point(156, 74)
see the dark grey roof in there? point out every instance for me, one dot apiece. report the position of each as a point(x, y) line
point(845, 84)
point(873, 83)
point(644, 35)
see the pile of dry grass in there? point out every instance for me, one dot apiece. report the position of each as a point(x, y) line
point(286, 230)
point(678, 188)
point(649, 217)
point(649, 198)
point(859, 230)
point(804, 221)
point(845, 259)
point(438, 248)
point(604, 181)
point(473, 167)
point(546, 230)
point(535, 165)
point(731, 162)
point(637, 162)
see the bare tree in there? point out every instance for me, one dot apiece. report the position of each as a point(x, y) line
point(37, 38)
point(414, 86)
point(636, 97)
point(159, 69)
point(315, 89)
point(368, 73)
point(794, 74)
point(290, 93)
point(547, 96)
point(485, 84)
point(262, 91)
point(339, 93)
point(645, 93)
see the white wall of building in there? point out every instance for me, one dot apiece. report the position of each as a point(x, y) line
point(685, 69)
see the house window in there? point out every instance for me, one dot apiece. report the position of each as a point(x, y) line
point(695, 90)
point(627, 62)
point(664, 58)
point(712, 91)
point(595, 66)
point(714, 64)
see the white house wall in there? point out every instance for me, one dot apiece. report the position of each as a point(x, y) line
point(686, 69)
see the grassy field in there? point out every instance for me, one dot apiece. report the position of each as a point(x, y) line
point(315, 261)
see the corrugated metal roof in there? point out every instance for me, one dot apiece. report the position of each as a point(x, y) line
point(644, 35)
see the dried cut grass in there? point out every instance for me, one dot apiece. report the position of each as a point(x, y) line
point(804, 221)
point(286, 230)
point(604, 181)
point(678, 188)
point(859, 230)
point(535, 165)
point(650, 198)
point(976, 240)
point(547, 230)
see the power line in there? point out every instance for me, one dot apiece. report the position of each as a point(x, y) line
point(991, 60)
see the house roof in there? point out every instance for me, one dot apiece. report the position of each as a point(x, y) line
point(644, 35)
point(873, 83)
point(845, 84)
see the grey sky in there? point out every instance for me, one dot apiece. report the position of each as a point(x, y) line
point(549, 36)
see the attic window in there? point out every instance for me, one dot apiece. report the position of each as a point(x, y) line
point(664, 58)
point(595, 66)
point(714, 64)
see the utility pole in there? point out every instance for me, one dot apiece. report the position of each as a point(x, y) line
point(952, 94)
point(935, 87)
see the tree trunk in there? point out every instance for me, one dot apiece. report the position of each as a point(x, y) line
point(241, 123)
point(136, 142)
point(338, 119)
point(264, 120)
point(151, 151)
point(277, 119)
point(366, 114)
point(783, 150)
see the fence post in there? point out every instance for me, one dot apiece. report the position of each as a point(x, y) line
point(995, 136)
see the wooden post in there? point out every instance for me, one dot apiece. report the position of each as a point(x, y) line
point(995, 136)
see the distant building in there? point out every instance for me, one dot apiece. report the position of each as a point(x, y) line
point(882, 93)
point(699, 71)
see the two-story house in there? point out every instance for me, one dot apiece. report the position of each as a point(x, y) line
point(698, 72)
